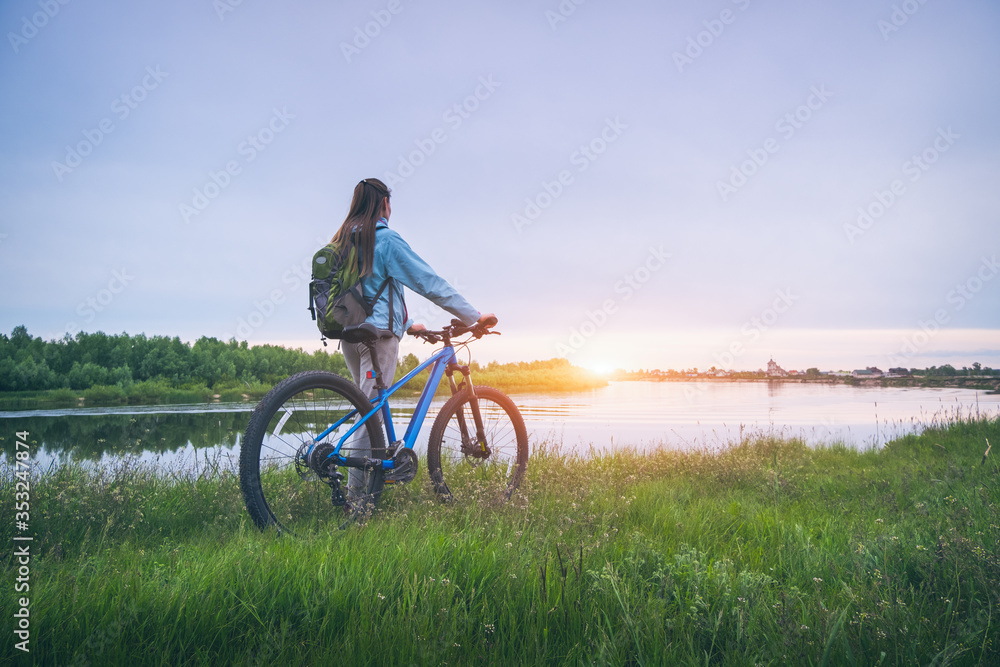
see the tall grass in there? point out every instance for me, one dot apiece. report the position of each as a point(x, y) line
point(766, 552)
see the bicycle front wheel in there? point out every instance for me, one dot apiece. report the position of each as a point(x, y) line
point(279, 487)
point(477, 470)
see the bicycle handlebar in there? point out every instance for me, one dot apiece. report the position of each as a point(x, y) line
point(457, 328)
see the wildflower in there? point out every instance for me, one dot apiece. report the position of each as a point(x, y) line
point(381, 597)
point(445, 582)
point(804, 627)
point(878, 520)
point(817, 580)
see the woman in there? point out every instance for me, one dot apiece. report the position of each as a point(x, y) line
point(385, 257)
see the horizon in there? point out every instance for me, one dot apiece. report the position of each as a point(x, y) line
point(632, 185)
point(412, 345)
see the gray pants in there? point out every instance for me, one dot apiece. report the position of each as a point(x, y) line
point(359, 363)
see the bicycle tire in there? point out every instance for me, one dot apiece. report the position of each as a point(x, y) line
point(278, 489)
point(488, 479)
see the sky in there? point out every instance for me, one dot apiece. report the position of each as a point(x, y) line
point(626, 185)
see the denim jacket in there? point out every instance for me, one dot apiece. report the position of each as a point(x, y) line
point(395, 260)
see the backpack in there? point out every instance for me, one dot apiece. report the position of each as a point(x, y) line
point(336, 296)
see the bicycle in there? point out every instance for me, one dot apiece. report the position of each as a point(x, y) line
point(312, 424)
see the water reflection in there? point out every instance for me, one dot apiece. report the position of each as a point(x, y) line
point(152, 433)
point(636, 414)
point(90, 437)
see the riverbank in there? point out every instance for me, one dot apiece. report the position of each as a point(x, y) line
point(987, 384)
point(554, 375)
point(97, 370)
point(769, 552)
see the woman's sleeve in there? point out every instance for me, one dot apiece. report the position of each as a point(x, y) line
point(411, 270)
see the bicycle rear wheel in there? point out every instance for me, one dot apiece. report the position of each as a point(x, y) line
point(475, 472)
point(279, 487)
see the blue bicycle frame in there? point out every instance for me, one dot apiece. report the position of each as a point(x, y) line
point(441, 360)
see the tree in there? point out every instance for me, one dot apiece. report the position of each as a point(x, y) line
point(407, 364)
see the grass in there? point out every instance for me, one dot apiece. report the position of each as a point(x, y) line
point(767, 552)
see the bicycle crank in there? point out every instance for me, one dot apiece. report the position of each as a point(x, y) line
point(404, 467)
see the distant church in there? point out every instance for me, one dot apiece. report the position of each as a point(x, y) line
point(775, 371)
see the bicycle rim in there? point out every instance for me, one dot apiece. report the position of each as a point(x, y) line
point(277, 485)
point(457, 470)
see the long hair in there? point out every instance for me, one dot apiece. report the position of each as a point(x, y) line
point(359, 225)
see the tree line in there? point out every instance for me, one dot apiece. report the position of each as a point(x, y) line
point(140, 368)
point(28, 363)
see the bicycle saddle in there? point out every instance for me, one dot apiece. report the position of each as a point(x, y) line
point(363, 333)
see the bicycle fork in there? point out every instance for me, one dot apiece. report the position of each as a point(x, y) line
point(478, 448)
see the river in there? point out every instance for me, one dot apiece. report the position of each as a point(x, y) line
point(622, 414)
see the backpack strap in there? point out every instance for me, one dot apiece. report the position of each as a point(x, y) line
point(312, 300)
point(359, 293)
point(369, 306)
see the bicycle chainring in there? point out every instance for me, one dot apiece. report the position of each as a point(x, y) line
point(405, 465)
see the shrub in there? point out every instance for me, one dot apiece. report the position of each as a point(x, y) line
point(105, 394)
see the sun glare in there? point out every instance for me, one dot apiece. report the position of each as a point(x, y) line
point(599, 367)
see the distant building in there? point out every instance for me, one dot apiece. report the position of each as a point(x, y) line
point(868, 373)
point(898, 373)
point(775, 371)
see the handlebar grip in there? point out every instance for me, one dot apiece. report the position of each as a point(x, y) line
point(490, 322)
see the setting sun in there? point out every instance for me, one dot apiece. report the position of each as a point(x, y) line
point(600, 367)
